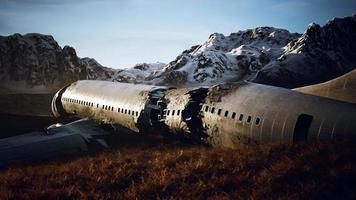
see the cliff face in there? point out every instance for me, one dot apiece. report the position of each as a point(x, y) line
point(320, 54)
point(37, 63)
point(268, 55)
point(238, 56)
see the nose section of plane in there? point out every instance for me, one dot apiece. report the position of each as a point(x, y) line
point(56, 105)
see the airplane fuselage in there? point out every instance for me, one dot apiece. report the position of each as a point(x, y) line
point(224, 114)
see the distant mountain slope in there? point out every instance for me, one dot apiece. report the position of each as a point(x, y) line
point(342, 88)
point(268, 55)
point(35, 63)
point(238, 56)
point(320, 54)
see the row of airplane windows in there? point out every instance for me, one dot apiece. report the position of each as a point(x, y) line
point(212, 110)
point(233, 115)
point(105, 107)
point(168, 112)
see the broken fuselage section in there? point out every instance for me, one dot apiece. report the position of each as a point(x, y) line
point(223, 115)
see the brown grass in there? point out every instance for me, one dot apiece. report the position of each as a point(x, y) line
point(316, 170)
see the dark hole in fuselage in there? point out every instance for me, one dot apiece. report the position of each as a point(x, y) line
point(302, 127)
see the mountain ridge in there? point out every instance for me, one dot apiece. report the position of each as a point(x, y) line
point(35, 63)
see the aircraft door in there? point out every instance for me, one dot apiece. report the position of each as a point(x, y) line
point(301, 128)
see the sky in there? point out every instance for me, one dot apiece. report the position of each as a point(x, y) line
point(122, 33)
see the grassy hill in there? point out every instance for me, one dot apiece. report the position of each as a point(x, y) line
point(342, 88)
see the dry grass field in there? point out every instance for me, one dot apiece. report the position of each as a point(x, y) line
point(157, 167)
point(152, 167)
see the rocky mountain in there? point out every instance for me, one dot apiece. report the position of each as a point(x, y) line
point(320, 54)
point(226, 58)
point(268, 55)
point(139, 73)
point(35, 63)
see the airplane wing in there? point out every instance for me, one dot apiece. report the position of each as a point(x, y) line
point(55, 141)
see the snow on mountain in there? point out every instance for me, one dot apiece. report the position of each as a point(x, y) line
point(268, 55)
point(138, 73)
point(36, 63)
point(226, 58)
point(320, 54)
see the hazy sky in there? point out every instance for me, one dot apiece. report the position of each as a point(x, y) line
point(122, 33)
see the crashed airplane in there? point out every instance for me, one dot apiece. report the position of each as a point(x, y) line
point(226, 115)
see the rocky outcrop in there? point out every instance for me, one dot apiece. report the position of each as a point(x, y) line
point(268, 55)
point(35, 63)
point(320, 54)
point(226, 58)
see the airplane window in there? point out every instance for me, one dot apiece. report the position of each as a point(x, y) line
point(112, 108)
point(125, 111)
point(133, 113)
point(173, 111)
point(206, 108)
point(200, 106)
point(219, 111)
point(168, 112)
point(241, 117)
point(233, 115)
point(129, 112)
point(122, 110)
point(258, 120)
point(97, 105)
point(136, 113)
point(226, 113)
point(212, 110)
point(178, 112)
point(248, 119)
